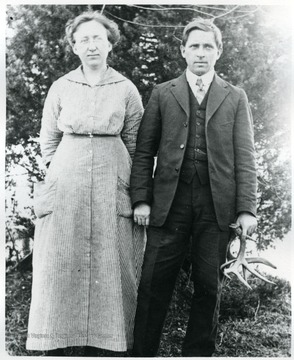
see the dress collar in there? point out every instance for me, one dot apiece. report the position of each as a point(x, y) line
point(110, 76)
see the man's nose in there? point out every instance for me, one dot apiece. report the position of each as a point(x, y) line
point(200, 51)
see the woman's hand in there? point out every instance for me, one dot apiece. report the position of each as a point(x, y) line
point(142, 214)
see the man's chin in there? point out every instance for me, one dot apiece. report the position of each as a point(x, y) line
point(199, 71)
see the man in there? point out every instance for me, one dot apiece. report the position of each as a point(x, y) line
point(200, 128)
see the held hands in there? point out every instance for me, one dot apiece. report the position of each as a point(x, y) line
point(142, 214)
point(248, 224)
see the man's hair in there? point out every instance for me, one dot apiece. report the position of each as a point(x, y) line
point(204, 25)
point(111, 27)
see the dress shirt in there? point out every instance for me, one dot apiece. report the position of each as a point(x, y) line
point(206, 80)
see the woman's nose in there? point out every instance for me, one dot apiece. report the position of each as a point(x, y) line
point(92, 44)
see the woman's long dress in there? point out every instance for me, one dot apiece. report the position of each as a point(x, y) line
point(87, 252)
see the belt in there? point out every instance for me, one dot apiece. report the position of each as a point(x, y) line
point(90, 135)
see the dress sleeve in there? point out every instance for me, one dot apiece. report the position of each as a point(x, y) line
point(133, 116)
point(50, 135)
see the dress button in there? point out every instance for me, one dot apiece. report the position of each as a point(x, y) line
point(90, 151)
point(182, 146)
point(198, 136)
point(198, 112)
point(198, 123)
point(89, 169)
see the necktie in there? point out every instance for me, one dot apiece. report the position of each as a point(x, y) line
point(200, 92)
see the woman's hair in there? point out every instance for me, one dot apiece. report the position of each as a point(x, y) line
point(204, 25)
point(110, 26)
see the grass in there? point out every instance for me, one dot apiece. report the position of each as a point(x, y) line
point(253, 323)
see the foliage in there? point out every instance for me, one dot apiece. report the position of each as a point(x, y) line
point(253, 323)
point(256, 57)
point(256, 323)
point(21, 158)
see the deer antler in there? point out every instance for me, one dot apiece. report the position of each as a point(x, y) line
point(233, 265)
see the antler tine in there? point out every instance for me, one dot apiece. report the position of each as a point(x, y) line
point(254, 272)
point(259, 260)
point(233, 265)
point(225, 265)
point(236, 272)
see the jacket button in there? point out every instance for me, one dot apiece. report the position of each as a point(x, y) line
point(182, 146)
point(185, 124)
point(177, 169)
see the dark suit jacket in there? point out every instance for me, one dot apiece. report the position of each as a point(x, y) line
point(230, 149)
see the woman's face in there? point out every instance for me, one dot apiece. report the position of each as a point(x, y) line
point(91, 44)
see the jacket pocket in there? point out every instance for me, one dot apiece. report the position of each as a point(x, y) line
point(124, 205)
point(44, 198)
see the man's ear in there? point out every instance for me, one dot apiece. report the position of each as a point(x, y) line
point(220, 51)
point(182, 48)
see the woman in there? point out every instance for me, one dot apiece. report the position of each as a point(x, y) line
point(87, 251)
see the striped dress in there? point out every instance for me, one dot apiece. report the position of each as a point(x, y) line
point(87, 252)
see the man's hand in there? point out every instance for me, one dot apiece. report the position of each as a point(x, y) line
point(142, 214)
point(248, 224)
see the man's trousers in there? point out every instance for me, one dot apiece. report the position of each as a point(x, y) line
point(191, 218)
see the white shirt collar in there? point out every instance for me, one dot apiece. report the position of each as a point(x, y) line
point(206, 78)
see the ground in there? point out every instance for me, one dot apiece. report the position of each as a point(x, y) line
point(253, 323)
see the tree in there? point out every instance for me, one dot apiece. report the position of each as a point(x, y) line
point(256, 57)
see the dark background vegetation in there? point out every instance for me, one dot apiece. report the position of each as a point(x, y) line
point(256, 57)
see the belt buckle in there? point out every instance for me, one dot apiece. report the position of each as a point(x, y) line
point(90, 135)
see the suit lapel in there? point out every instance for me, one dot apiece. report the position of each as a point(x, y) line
point(180, 91)
point(218, 92)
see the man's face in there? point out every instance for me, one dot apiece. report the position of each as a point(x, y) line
point(200, 52)
point(91, 44)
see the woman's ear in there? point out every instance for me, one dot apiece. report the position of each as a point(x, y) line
point(74, 49)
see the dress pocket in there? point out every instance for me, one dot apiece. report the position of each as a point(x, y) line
point(124, 205)
point(44, 198)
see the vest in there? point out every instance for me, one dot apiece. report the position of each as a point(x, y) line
point(195, 158)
